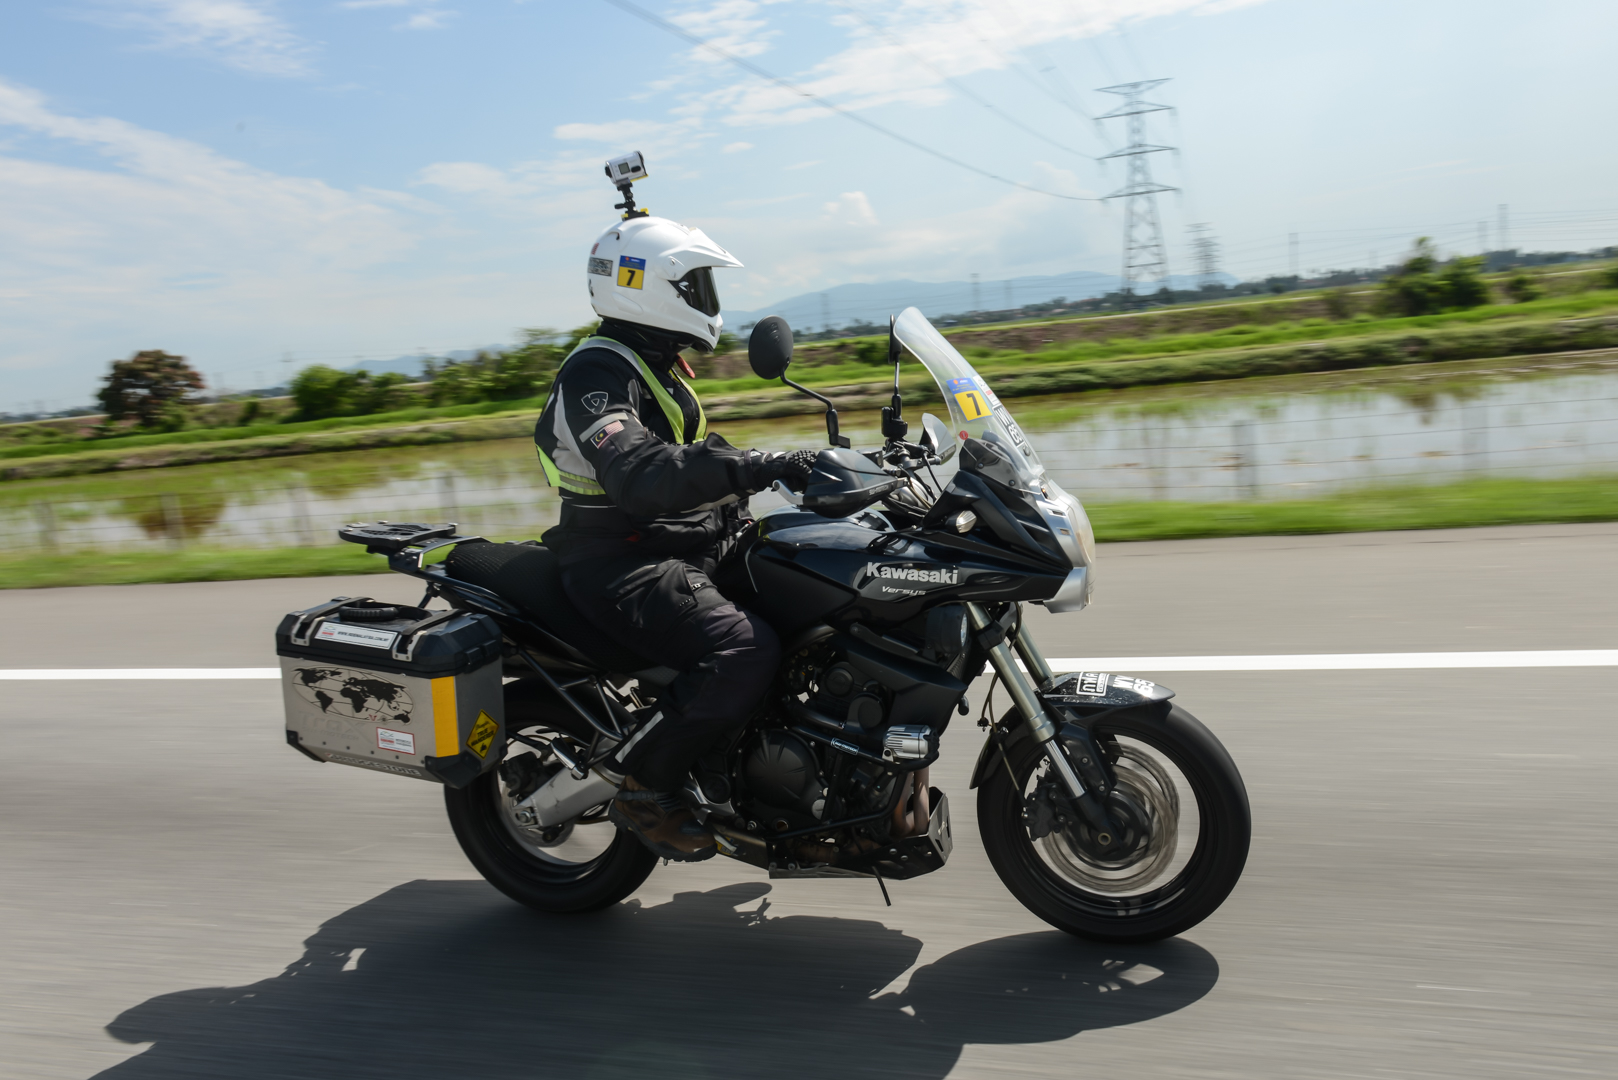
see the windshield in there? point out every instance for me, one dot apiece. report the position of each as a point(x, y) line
point(974, 410)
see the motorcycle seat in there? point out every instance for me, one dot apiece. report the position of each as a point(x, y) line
point(529, 577)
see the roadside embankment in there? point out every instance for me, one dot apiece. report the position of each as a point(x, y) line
point(267, 446)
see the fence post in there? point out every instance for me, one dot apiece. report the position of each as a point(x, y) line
point(1475, 438)
point(173, 520)
point(300, 513)
point(1241, 437)
point(447, 505)
point(46, 514)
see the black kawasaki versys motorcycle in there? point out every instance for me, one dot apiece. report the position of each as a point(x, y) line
point(894, 578)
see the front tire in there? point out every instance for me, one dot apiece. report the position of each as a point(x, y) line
point(583, 866)
point(1195, 828)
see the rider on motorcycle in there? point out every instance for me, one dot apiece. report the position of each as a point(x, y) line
point(647, 496)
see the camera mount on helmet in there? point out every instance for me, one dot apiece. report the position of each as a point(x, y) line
point(623, 171)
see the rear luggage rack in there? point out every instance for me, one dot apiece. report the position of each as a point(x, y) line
point(392, 537)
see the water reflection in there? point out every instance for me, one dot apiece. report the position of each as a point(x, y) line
point(1292, 444)
point(1256, 439)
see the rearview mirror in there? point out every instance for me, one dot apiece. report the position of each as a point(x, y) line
point(936, 438)
point(769, 349)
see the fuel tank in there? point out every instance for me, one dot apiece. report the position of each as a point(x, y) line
point(808, 569)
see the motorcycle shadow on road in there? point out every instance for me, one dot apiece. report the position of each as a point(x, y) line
point(449, 979)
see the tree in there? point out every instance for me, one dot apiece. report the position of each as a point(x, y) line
point(150, 388)
point(1522, 288)
point(320, 391)
point(1338, 303)
point(522, 372)
point(1462, 285)
point(1418, 288)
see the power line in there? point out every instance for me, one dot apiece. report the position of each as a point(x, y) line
point(753, 69)
point(961, 87)
point(1011, 63)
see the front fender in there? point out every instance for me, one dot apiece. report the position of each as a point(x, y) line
point(1077, 698)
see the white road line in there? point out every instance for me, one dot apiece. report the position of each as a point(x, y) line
point(77, 674)
point(1344, 661)
point(1299, 662)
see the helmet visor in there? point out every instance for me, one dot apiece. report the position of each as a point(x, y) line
point(697, 289)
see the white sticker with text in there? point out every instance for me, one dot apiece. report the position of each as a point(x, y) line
point(400, 742)
point(357, 635)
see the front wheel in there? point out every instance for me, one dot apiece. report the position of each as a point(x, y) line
point(1189, 827)
point(583, 865)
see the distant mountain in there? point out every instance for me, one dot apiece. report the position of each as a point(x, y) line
point(873, 302)
point(845, 305)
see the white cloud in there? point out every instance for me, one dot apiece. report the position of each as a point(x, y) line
point(424, 14)
point(735, 147)
point(243, 34)
point(431, 19)
point(471, 178)
point(880, 64)
point(847, 240)
point(732, 25)
point(612, 132)
point(167, 240)
point(851, 208)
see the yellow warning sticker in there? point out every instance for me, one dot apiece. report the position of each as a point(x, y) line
point(972, 404)
point(483, 733)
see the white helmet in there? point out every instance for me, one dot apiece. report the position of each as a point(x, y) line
point(657, 272)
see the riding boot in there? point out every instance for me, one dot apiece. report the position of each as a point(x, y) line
point(662, 822)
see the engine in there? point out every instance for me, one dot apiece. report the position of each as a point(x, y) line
point(856, 717)
point(783, 772)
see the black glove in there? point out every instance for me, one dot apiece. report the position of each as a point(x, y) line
point(793, 467)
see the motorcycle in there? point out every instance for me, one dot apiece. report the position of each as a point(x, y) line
point(894, 578)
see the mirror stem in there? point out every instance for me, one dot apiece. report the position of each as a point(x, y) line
point(832, 436)
point(894, 427)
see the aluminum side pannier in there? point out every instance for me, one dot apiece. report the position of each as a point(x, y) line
point(397, 689)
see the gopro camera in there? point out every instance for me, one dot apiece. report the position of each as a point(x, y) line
point(626, 168)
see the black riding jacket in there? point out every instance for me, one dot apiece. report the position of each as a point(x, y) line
point(630, 482)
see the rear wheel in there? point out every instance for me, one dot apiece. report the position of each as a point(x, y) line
point(582, 865)
point(1186, 825)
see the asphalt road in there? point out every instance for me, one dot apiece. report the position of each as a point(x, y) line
point(1430, 892)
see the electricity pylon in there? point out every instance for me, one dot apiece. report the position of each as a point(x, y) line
point(1206, 251)
point(1145, 257)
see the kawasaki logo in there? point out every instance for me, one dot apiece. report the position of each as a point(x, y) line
point(892, 572)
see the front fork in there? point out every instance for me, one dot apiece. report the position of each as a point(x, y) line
point(1025, 696)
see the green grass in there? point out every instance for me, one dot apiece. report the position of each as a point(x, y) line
point(194, 564)
point(1466, 504)
point(415, 415)
point(1244, 335)
point(1009, 361)
point(1461, 505)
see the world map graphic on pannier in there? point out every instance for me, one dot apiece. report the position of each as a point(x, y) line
point(358, 695)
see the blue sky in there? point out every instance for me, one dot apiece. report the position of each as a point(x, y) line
point(260, 184)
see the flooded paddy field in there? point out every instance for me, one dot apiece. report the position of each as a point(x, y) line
point(1254, 439)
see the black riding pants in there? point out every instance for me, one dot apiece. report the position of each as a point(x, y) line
point(669, 612)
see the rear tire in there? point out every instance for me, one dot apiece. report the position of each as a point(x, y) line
point(544, 878)
point(1182, 779)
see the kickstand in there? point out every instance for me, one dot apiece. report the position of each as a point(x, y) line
point(882, 885)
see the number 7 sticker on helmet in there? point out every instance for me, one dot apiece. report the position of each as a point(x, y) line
point(631, 272)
